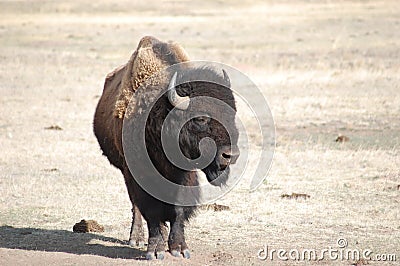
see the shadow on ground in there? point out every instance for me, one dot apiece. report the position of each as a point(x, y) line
point(66, 241)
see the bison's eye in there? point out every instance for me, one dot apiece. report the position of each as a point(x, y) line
point(202, 120)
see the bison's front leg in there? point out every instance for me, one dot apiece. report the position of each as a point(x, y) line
point(176, 240)
point(156, 243)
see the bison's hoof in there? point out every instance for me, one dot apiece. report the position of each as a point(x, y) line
point(150, 256)
point(134, 243)
point(175, 253)
point(186, 254)
point(160, 255)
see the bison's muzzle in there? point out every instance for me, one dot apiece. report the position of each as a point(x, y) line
point(227, 155)
point(217, 172)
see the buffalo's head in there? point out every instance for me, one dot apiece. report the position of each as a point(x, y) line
point(201, 117)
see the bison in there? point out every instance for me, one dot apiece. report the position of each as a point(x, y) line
point(126, 83)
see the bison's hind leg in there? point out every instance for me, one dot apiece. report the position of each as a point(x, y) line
point(136, 236)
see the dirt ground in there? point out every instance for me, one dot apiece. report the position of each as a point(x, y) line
point(325, 67)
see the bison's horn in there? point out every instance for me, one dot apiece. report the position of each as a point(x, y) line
point(173, 97)
point(226, 78)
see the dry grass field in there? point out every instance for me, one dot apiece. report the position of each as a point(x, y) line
point(325, 67)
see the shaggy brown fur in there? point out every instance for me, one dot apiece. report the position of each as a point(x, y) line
point(144, 62)
point(120, 85)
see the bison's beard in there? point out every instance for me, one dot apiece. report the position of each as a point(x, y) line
point(216, 176)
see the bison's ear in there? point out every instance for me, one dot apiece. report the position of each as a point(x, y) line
point(226, 78)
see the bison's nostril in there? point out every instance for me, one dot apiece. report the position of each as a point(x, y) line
point(226, 156)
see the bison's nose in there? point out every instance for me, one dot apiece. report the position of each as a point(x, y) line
point(227, 155)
